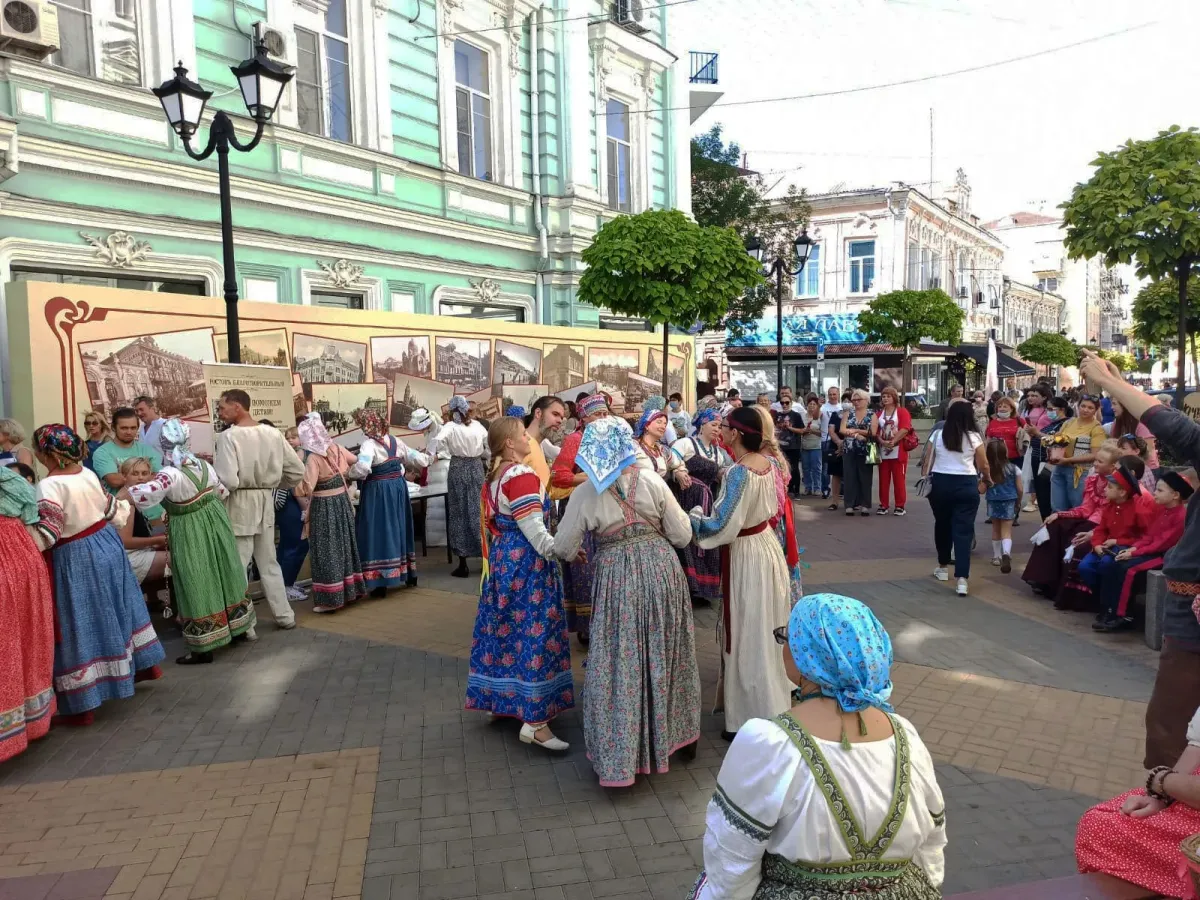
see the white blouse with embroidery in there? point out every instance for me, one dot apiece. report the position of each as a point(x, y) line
point(372, 453)
point(461, 440)
point(768, 801)
point(518, 493)
point(686, 448)
point(69, 504)
point(172, 484)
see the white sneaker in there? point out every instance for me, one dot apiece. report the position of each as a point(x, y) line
point(529, 736)
point(941, 574)
point(251, 634)
point(995, 560)
point(961, 590)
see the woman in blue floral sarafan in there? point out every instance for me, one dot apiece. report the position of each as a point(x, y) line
point(520, 653)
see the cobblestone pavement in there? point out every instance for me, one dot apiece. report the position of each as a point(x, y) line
point(336, 760)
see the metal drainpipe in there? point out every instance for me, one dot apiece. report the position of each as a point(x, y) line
point(535, 117)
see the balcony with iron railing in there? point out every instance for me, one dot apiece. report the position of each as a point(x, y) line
point(703, 67)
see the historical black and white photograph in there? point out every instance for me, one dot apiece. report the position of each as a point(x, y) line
point(465, 363)
point(562, 365)
point(675, 374)
point(406, 354)
point(516, 364)
point(610, 366)
point(410, 392)
point(339, 405)
point(322, 360)
point(166, 366)
point(259, 348)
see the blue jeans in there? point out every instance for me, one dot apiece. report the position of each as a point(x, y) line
point(813, 464)
point(1064, 492)
point(955, 502)
point(825, 482)
point(292, 548)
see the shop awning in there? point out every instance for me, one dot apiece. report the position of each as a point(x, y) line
point(1007, 366)
point(833, 351)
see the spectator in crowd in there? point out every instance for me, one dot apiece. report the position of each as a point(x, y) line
point(11, 437)
point(1008, 427)
point(290, 511)
point(980, 407)
point(1083, 434)
point(956, 392)
point(763, 400)
point(1036, 417)
point(857, 426)
point(890, 428)
point(956, 466)
point(1003, 501)
point(1176, 692)
point(789, 426)
point(831, 406)
point(125, 445)
point(146, 551)
point(778, 404)
point(150, 429)
point(1125, 423)
point(811, 443)
point(733, 398)
point(1132, 445)
point(95, 432)
point(835, 463)
point(25, 472)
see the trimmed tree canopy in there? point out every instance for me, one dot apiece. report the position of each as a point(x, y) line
point(1156, 312)
point(661, 266)
point(1049, 349)
point(904, 318)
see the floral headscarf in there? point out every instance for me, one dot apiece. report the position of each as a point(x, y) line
point(591, 404)
point(517, 412)
point(658, 401)
point(648, 416)
point(838, 643)
point(605, 451)
point(706, 415)
point(18, 500)
point(679, 422)
point(313, 436)
point(372, 424)
point(459, 407)
point(60, 442)
point(709, 402)
point(175, 440)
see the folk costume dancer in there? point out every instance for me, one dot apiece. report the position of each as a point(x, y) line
point(465, 440)
point(757, 591)
point(642, 699)
point(106, 642)
point(565, 477)
point(384, 523)
point(706, 463)
point(207, 572)
point(337, 571)
point(521, 653)
point(654, 452)
point(26, 622)
point(252, 461)
point(782, 524)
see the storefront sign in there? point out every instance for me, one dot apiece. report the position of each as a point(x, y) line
point(835, 328)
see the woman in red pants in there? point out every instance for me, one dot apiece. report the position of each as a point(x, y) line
point(889, 429)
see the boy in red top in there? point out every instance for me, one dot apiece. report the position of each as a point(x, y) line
point(1163, 531)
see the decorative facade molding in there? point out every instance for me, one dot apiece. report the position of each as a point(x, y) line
point(486, 291)
point(381, 7)
point(120, 249)
point(449, 8)
point(342, 273)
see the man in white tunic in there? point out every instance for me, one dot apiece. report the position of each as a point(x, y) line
point(252, 461)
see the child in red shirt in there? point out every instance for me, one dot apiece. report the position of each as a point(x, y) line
point(1163, 528)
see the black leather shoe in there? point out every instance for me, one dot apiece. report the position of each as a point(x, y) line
point(194, 659)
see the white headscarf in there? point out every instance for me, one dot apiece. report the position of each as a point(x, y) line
point(313, 436)
point(175, 441)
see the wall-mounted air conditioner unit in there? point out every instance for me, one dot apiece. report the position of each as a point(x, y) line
point(29, 28)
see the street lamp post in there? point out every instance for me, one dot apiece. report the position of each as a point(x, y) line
point(262, 81)
point(778, 269)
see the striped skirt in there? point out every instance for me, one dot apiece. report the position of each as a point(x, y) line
point(464, 493)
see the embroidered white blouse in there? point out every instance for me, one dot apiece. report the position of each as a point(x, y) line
point(686, 448)
point(373, 453)
point(69, 504)
point(172, 484)
point(461, 440)
point(768, 801)
point(518, 493)
point(652, 501)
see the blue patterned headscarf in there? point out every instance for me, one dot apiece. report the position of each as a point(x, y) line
point(838, 643)
point(648, 416)
point(709, 414)
point(679, 422)
point(458, 407)
point(517, 412)
point(658, 401)
point(605, 451)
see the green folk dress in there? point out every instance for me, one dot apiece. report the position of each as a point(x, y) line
point(781, 827)
point(208, 579)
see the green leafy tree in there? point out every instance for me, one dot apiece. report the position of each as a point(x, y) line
point(1156, 313)
point(1142, 205)
point(1119, 358)
point(661, 266)
point(1049, 349)
point(726, 195)
point(905, 318)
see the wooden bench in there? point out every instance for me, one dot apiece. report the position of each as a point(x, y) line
point(1093, 886)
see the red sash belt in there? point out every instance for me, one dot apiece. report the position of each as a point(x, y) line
point(48, 556)
point(745, 532)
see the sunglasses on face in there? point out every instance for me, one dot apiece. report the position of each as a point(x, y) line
point(1129, 437)
point(780, 634)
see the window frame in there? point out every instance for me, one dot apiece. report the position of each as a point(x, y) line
point(162, 39)
point(851, 266)
point(614, 203)
point(808, 283)
point(472, 93)
point(312, 21)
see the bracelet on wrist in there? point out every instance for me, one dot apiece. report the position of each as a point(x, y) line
point(1154, 782)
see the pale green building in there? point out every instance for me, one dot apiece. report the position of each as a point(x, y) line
point(451, 157)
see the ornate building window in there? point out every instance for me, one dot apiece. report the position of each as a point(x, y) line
point(323, 71)
point(620, 195)
point(121, 41)
point(473, 110)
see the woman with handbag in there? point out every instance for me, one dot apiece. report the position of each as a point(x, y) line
point(892, 428)
point(955, 468)
point(859, 454)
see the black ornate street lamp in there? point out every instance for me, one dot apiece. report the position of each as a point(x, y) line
point(778, 269)
point(262, 81)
